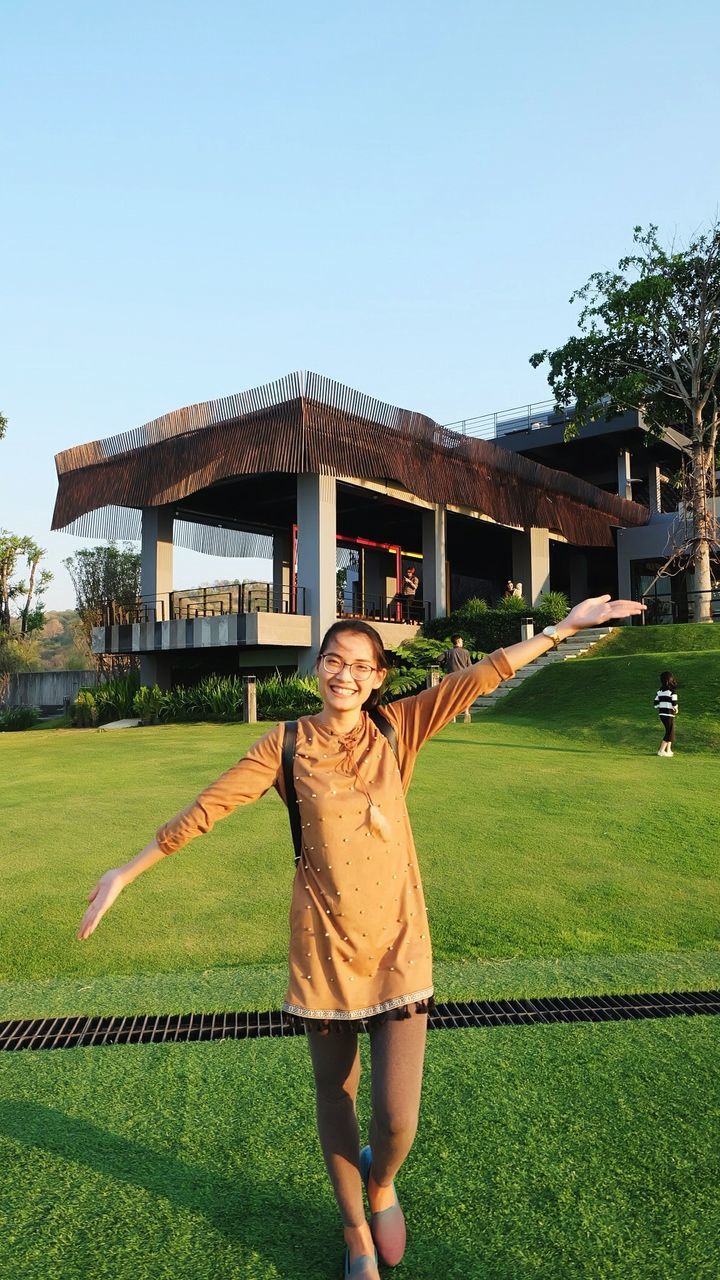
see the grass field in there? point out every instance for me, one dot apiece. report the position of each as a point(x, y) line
point(559, 856)
point(553, 1152)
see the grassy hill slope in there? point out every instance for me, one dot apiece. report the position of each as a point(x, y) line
point(606, 697)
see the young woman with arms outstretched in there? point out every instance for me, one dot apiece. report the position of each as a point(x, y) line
point(360, 944)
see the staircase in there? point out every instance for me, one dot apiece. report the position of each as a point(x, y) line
point(572, 648)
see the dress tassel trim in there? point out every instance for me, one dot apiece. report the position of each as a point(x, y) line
point(355, 1020)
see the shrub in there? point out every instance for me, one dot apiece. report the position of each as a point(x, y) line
point(402, 681)
point(512, 605)
point(412, 659)
point(151, 705)
point(472, 608)
point(14, 719)
point(212, 698)
point(423, 651)
point(287, 697)
point(490, 628)
point(83, 711)
point(114, 698)
point(555, 605)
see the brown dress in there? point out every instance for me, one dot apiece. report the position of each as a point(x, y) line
point(359, 938)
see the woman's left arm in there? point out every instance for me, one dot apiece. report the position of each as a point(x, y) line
point(418, 717)
point(595, 612)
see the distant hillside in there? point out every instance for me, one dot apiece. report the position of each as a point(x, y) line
point(60, 645)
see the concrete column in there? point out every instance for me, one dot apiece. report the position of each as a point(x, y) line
point(434, 551)
point(654, 500)
point(155, 669)
point(624, 574)
point(317, 557)
point(531, 563)
point(282, 555)
point(624, 473)
point(578, 577)
point(156, 558)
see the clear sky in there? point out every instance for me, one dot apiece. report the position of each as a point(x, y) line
point(197, 198)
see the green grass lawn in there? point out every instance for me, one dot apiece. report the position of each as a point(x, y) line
point(554, 852)
point(544, 1152)
point(559, 855)
point(558, 852)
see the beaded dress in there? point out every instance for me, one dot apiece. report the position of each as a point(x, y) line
point(359, 937)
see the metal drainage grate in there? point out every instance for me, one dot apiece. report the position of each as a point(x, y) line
point(76, 1032)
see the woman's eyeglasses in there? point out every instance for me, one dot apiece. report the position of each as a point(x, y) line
point(333, 664)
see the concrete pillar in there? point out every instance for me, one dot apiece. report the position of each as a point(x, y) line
point(531, 563)
point(434, 551)
point(375, 595)
point(654, 500)
point(156, 559)
point(155, 669)
point(317, 557)
point(624, 573)
point(623, 471)
point(578, 577)
point(282, 555)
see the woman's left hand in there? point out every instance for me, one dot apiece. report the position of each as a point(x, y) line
point(598, 611)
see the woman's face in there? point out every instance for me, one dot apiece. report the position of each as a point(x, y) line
point(343, 690)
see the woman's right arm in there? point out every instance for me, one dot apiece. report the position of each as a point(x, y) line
point(102, 896)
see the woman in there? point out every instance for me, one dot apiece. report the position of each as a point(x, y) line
point(360, 946)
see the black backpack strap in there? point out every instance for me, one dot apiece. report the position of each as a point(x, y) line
point(293, 808)
point(382, 723)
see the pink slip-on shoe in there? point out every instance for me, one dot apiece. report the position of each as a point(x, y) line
point(387, 1226)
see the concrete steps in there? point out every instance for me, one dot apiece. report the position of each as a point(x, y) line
point(581, 643)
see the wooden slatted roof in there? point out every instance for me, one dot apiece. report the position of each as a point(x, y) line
point(307, 423)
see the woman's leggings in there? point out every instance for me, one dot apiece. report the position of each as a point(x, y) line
point(669, 727)
point(397, 1051)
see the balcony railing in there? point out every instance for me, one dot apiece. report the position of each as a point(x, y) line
point(243, 598)
point(663, 608)
point(377, 608)
point(207, 602)
point(526, 417)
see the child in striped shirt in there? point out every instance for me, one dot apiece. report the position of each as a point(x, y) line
point(666, 705)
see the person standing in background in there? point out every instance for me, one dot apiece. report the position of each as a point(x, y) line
point(666, 705)
point(456, 659)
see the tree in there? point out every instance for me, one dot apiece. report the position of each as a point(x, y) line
point(650, 340)
point(21, 605)
point(3, 425)
point(25, 593)
point(103, 575)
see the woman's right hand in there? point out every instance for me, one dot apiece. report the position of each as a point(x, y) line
point(101, 898)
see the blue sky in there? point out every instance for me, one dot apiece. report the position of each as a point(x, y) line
point(400, 195)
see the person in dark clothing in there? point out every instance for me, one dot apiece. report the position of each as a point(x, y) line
point(406, 596)
point(456, 659)
point(666, 705)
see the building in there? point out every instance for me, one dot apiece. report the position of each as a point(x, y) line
point(342, 494)
point(620, 457)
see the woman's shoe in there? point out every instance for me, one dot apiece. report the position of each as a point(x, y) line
point(387, 1226)
point(363, 1268)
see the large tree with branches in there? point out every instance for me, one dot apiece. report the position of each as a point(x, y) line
point(649, 339)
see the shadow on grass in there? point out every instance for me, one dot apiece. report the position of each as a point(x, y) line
point(515, 746)
point(255, 1215)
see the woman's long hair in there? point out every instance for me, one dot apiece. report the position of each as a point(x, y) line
point(668, 681)
point(349, 626)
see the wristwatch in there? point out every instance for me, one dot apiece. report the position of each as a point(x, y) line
point(552, 634)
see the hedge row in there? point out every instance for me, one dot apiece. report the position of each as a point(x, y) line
point(214, 698)
point(484, 628)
